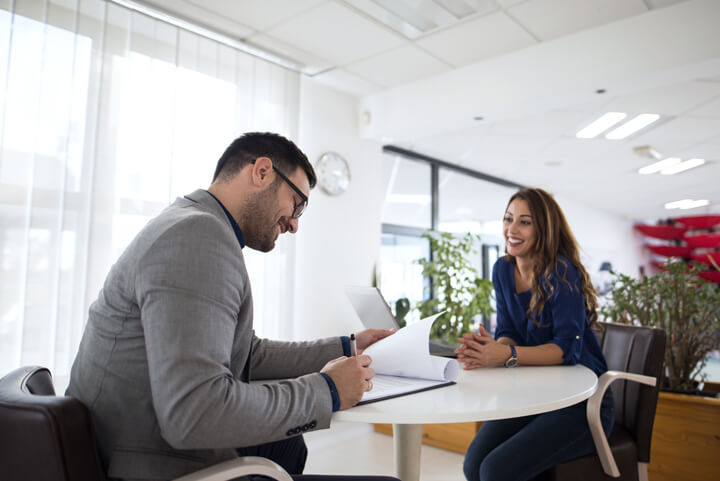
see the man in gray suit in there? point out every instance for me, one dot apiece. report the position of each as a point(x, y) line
point(169, 347)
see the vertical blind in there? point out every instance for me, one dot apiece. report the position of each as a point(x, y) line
point(107, 115)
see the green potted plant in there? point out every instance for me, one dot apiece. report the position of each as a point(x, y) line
point(456, 286)
point(688, 308)
point(677, 300)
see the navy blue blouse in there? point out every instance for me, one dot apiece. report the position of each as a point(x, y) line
point(563, 319)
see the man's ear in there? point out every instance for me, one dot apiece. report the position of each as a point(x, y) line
point(260, 172)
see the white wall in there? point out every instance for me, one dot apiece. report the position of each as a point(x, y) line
point(604, 236)
point(339, 238)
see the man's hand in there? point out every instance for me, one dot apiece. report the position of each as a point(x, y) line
point(369, 337)
point(481, 350)
point(352, 377)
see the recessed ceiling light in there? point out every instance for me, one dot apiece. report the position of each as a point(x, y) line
point(687, 204)
point(682, 166)
point(632, 126)
point(600, 125)
point(658, 166)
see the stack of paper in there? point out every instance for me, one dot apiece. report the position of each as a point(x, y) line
point(403, 363)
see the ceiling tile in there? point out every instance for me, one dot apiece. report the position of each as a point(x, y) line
point(556, 123)
point(477, 39)
point(347, 82)
point(663, 3)
point(508, 3)
point(200, 15)
point(707, 151)
point(683, 130)
point(549, 19)
point(258, 14)
point(337, 33)
point(312, 64)
point(710, 109)
point(398, 66)
point(672, 100)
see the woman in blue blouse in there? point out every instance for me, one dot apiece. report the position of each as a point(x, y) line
point(546, 312)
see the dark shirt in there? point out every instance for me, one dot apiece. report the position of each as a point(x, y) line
point(563, 320)
point(345, 340)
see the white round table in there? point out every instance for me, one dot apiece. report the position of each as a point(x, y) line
point(479, 395)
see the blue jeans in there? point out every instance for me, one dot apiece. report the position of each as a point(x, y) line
point(521, 448)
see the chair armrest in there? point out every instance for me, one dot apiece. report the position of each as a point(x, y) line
point(234, 468)
point(593, 416)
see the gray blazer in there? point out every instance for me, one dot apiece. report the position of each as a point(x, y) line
point(169, 348)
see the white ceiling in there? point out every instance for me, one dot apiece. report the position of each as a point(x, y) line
point(529, 68)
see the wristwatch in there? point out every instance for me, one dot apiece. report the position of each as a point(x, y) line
point(512, 362)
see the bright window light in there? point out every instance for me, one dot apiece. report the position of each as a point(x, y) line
point(632, 126)
point(682, 166)
point(420, 199)
point(600, 125)
point(660, 165)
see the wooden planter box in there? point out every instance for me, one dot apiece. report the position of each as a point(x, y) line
point(686, 437)
point(453, 437)
point(685, 444)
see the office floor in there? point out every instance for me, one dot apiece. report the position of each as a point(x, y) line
point(354, 448)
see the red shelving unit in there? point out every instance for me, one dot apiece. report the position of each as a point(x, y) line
point(665, 232)
point(706, 258)
point(712, 276)
point(669, 251)
point(699, 221)
point(703, 240)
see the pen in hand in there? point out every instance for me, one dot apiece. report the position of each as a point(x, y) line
point(353, 345)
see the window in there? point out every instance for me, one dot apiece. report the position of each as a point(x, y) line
point(424, 193)
point(107, 115)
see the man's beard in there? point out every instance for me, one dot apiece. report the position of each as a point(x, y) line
point(258, 220)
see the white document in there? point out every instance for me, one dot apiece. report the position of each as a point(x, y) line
point(403, 363)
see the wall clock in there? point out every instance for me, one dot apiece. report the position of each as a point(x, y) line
point(333, 173)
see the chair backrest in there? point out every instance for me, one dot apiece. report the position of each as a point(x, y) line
point(639, 350)
point(43, 436)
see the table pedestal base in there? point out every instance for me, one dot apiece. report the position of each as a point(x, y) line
point(407, 441)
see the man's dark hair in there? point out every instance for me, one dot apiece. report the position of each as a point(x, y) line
point(285, 155)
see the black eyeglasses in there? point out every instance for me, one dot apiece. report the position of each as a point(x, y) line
point(299, 208)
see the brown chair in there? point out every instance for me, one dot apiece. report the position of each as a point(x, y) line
point(50, 438)
point(635, 354)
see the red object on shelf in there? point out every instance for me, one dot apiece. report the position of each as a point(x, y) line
point(703, 240)
point(666, 232)
point(705, 258)
point(669, 251)
point(712, 276)
point(699, 221)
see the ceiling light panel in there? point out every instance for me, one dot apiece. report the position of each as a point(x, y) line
point(658, 166)
point(632, 126)
point(687, 204)
point(413, 18)
point(600, 125)
point(682, 166)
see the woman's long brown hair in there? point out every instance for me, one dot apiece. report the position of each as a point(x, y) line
point(553, 238)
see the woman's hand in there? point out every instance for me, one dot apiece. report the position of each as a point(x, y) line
point(369, 337)
point(481, 350)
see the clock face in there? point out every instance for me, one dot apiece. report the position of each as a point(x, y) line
point(333, 173)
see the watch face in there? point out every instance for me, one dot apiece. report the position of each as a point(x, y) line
point(333, 173)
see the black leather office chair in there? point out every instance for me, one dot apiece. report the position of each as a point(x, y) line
point(633, 354)
point(45, 437)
